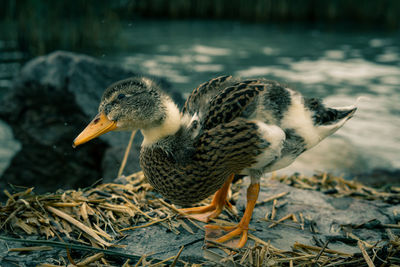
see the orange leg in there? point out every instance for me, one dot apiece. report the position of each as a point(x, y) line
point(211, 211)
point(243, 226)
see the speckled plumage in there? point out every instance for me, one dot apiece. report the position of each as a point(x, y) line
point(226, 126)
point(225, 141)
point(186, 172)
point(221, 138)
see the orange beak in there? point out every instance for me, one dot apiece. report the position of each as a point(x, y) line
point(98, 126)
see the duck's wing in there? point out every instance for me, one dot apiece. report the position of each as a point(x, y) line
point(200, 97)
point(231, 102)
point(238, 145)
point(225, 98)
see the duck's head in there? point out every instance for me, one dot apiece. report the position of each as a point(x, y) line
point(134, 103)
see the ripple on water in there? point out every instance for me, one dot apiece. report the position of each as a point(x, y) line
point(212, 51)
point(388, 56)
point(208, 68)
point(326, 70)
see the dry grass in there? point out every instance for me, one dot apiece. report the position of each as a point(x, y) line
point(97, 218)
point(340, 187)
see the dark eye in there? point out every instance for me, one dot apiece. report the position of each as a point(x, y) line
point(121, 96)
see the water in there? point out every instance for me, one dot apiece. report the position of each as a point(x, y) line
point(338, 66)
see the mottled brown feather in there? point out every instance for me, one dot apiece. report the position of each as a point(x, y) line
point(202, 94)
point(231, 102)
point(218, 152)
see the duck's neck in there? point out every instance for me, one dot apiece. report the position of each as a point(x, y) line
point(169, 126)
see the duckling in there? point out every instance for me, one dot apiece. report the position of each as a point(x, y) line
point(227, 126)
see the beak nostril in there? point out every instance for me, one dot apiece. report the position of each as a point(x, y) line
point(98, 126)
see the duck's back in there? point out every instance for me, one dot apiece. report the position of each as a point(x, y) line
point(225, 98)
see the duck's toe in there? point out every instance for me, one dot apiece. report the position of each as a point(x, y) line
point(203, 214)
point(238, 230)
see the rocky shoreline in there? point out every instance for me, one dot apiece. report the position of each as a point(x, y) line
point(52, 99)
point(55, 96)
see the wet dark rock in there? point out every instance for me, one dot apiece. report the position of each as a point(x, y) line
point(52, 100)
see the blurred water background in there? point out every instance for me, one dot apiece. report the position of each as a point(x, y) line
point(336, 50)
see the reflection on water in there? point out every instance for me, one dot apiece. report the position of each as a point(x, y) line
point(338, 66)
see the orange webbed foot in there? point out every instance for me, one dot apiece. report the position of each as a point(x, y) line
point(206, 213)
point(242, 228)
point(203, 214)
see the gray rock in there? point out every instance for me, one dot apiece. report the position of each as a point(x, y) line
point(324, 217)
point(323, 213)
point(52, 100)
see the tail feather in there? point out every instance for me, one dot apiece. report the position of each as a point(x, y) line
point(345, 112)
point(328, 116)
point(328, 120)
